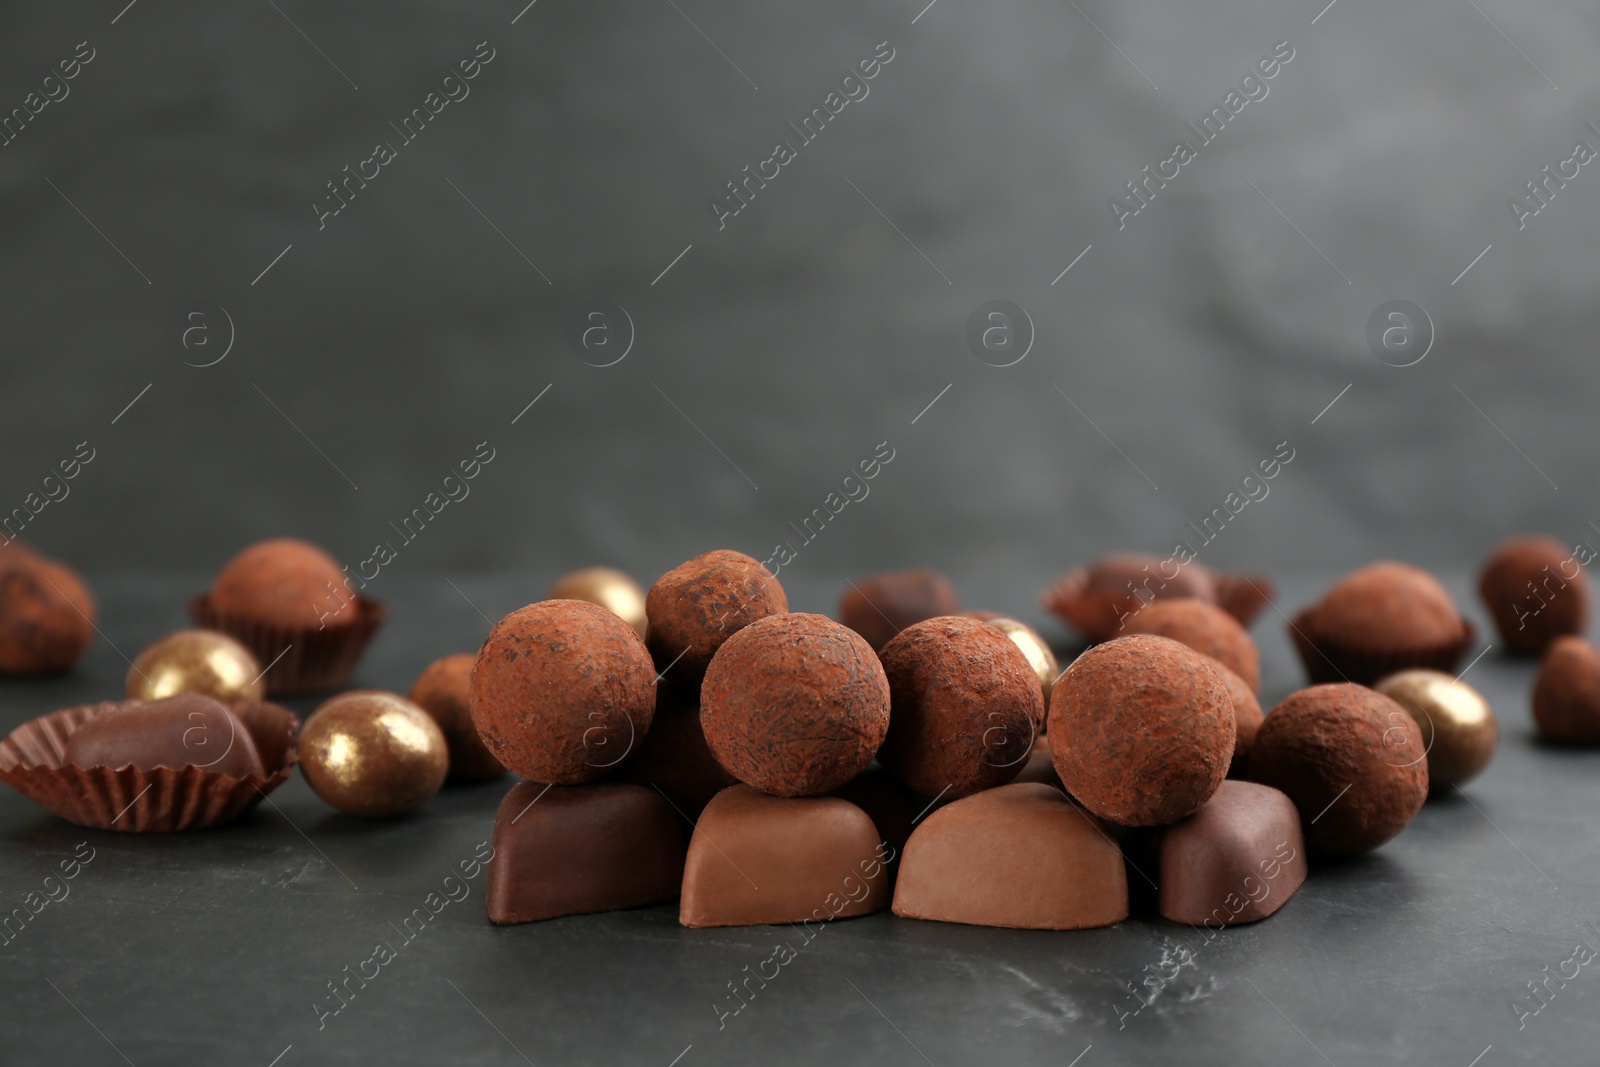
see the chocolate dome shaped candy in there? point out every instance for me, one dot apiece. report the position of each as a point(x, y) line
point(1377, 620)
point(696, 606)
point(1537, 591)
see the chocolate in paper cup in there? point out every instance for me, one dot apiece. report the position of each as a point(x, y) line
point(302, 659)
point(161, 800)
point(1327, 660)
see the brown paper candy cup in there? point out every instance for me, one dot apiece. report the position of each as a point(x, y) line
point(316, 661)
point(1327, 660)
point(1243, 595)
point(163, 800)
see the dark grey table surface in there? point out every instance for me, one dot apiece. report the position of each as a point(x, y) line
point(218, 947)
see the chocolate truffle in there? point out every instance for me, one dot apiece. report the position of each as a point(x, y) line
point(795, 704)
point(881, 606)
point(47, 615)
point(1040, 766)
point(1142, 730)
point(1205, 628)
point(1041, 657)
point(442, 691)
point(1352, 761)
point(674, 756)
point(1566, 697)
point(562, 691)
point(574, 850)
point(965, 707)
point(372, 753)
point(758, 860)
point(696, 606)
point(1537, 591)
point(1379, 619)
point(1247, 718)
point(609, 588)
point(1096, 599)
point(187, 730)
point(1236, 860)
point(1459, 732)
point(893, 808)
point(283, 582)
point(1021, 856)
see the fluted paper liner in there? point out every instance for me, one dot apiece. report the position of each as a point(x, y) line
point(1327, 660)
point(162, 800)
point(301, 659)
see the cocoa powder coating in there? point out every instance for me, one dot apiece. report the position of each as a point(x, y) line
point(883, 605)
point(47, 614)
point(1537, 591)
point(1387, 605)
point(697, 605)
point(284, 582)
point(1566, 697)
point(442, 691)
point(1205, 628)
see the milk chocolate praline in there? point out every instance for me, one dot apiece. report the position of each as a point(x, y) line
point(562, 691)
point(1537, 591)
point(1205, 628)
point(1350, 758)
point(283, 582)
point(1379, 619)
point(1566, 697)
point(795, 704)
point(966, 706)
point(442, 691)
point(46, 614)
point(187, 730)
point(881, 606)
point(1142, 730)
point(697, 605)
point(1236, 860)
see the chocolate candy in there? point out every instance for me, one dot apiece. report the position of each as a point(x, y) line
point(881, 606)
point(1020, 855)
point(674, 757)
point(1351, 759)
point(1247, 718)
point(442, 691)
point(1236, 860)
point(196, 661)
point(1040, 767)
point(1537, 591)
point(283, 582)
point(372, 753)
point(181, 731)
point(1205, 628)
point(1377, 620)
point(758, 860)
point(1142, 730)
point(573, 850)
point(696, 606)
point(1096, 599)
point(609, 588)
point(966, 707)
point(1459, 731)
point(892, 807)
point(47, 615)
point(1039, 654)
point(795, 704)
point(562, 691)
point(1566, 697)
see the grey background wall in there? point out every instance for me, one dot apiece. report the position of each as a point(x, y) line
point(779, 350)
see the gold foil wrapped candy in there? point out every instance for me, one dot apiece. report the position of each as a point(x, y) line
point(372, 753)
point(611, 589)
point(1459, 732)
point(196, 661)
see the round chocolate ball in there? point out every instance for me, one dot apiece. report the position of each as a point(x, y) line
point(881, 606)
point(47, 614)
point(965, 707)
point(794, 704)
point(1247, 716)
point(285, 583)
point(442, 691)
point(674, 756)
point(1537, 591)
point(562, 692)
point(196, 661)
point(1388, 604)
point(1459, 731)
point(371, 753)
point(1350, 758)
point(696, 606)
point(1114, 574)
point(1566, 697)
point(1041, 657)
point(609, 588)
point(1142, 730)
point(1205, 628)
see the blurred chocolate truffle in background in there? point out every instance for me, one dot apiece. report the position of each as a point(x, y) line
point(1095, 599)
point(795, 704)
point(1142, 730)
point(1205, 628)
point(196, 661)
point(442, 691)
point(1377, 620)
point(372, 753)
point(1566, 696)
point(1350, 758)
point(1459, 732)
point(1536, 591)
point(880, 606)
point(965, 707)
point(697, 605)
point(606, 586)
point(674, 756)
point(187, 730)
point(283, 582)
point(1247, 716)
point(47, 614)
point(562, 692)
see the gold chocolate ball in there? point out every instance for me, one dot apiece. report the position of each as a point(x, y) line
point(196, 661)
point(1459, 732)
point(1040, 658)
point(609, 588)
point(372, 753)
